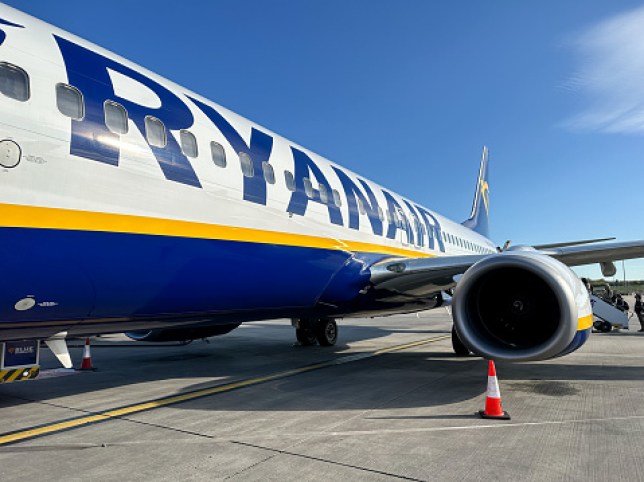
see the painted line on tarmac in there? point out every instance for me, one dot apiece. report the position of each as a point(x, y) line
point(118, 413)
point(459, 427)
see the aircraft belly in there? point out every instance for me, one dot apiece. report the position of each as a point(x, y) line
point(76, 275)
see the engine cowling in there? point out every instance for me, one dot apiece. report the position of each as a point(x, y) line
point(181, 334)
point(521, 306)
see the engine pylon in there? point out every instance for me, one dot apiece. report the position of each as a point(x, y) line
point(493, 408)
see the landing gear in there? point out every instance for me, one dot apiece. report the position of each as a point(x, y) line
point(326, 332)
point(306, 337)
point(310, 331)
point(459, 348)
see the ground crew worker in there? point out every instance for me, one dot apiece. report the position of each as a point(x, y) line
point(639, 310)
point(620, 303)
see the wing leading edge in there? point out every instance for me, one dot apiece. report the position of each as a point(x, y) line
point(420, 276)
point(599, 253)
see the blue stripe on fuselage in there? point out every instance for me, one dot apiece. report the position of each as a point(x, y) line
point(75, 275)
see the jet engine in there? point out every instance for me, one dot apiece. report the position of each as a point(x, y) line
point(181, 334)
point(521, 305)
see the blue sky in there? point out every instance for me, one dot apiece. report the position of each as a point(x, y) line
point(407, 93)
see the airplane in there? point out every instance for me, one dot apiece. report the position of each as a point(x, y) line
point(131, 204)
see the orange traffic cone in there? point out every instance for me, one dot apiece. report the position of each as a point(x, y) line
point(493, 407)
point(86, 364)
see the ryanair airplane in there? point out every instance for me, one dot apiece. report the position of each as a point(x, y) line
point(131, 204)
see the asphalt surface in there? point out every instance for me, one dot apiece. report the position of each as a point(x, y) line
point(253, 406)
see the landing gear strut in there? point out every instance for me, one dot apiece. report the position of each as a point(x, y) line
point(321, 330)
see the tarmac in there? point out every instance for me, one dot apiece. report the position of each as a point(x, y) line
point(389, 402)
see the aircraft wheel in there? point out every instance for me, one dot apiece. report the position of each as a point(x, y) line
point(305, 337)
point(326, 332)
point(459, 348)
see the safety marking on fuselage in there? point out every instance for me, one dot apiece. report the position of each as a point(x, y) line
point(37, 217)
point(118, 413)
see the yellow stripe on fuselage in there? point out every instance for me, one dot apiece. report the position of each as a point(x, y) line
point(585, 322)
point(16, 216)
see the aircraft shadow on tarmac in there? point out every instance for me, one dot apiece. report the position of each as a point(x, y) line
point(423, 377)
point(413, 380)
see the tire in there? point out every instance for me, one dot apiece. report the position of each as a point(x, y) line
point(459, 348)
point(606, 327)
point(326, 332)
point(305, 337)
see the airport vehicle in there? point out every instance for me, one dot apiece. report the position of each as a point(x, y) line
point(128, 203)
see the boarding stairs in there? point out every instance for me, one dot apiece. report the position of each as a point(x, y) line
point(607, 316)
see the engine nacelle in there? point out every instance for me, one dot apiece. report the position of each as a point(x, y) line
point(521, 306)
point(181, 334)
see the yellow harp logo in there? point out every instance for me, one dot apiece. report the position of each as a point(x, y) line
point(485, 194)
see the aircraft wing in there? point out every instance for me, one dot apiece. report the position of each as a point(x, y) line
point(419, 276)
point(600, 253)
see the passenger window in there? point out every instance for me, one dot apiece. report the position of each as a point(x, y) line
point(308, 188)
point(188, 143)
point(290, 180)
point(246, 164)
point(402, 220)
point(115, 117)
point(69, 101)
point(337, 200)
point(14, 82)
point(269, 173)
point(323, 194)
point(218, 154)
point(155, 132)
point(361, 206)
